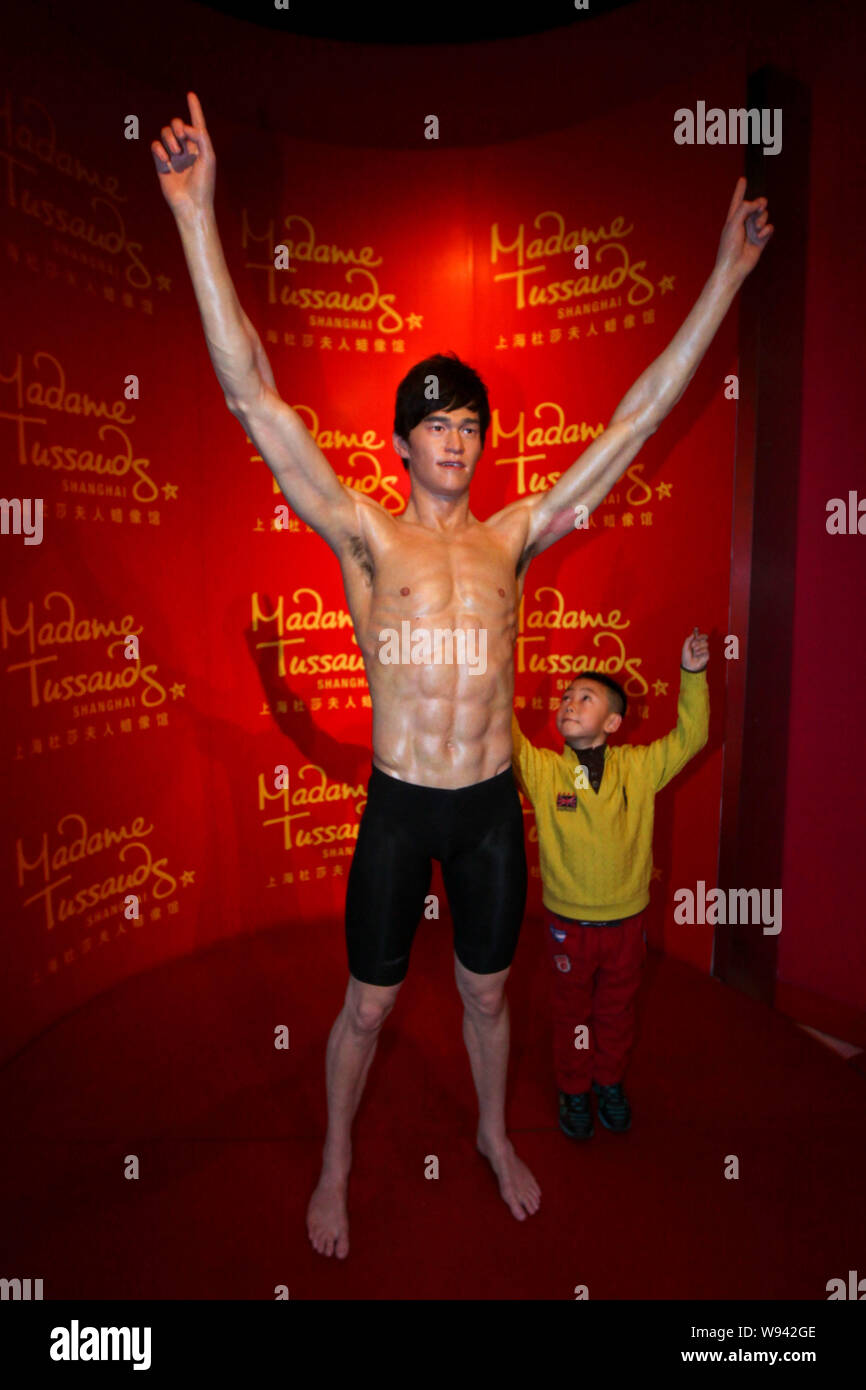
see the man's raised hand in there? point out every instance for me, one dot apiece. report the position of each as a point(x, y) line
point(696, 651)
point(185, 160)
point(745, 234)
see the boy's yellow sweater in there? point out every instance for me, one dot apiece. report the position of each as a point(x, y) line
point(595, 848)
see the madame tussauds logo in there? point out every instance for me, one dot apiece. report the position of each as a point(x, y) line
point(434, 647)
point(318, 791)
point(69, 631)
point(134, 855)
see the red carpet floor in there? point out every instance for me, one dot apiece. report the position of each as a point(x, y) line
point(178, 1067)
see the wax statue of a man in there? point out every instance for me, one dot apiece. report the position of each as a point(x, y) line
point(441, 784)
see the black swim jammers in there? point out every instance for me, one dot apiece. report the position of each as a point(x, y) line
point(476, 833)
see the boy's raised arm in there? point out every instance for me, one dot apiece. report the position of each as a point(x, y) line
point(668, 755)
point(524, 758)
point(186, 165)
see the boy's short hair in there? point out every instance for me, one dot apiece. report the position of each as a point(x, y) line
point(459, 386)
point(619, 703)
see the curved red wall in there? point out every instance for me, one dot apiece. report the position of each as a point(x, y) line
point(180, 792)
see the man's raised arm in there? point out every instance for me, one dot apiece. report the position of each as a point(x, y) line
point(657, 390)
point(186, 164)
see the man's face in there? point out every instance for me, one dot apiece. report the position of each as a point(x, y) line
point(584, 718)
point(443, 449)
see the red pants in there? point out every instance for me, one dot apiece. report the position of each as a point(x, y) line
point(594, 974)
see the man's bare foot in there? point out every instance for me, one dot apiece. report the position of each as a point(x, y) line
point(328, 1217)
point(516, 1184)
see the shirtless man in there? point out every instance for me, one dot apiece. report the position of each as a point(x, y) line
point(441, 785)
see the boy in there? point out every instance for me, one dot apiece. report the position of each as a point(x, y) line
point(594, 810)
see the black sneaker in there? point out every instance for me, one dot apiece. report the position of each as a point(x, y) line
point(614, 1110)
point(575, 1115)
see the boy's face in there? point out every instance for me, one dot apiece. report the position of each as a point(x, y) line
point(443, 450)
point(584, 718)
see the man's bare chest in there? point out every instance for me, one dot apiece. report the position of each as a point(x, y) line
point(413, 574)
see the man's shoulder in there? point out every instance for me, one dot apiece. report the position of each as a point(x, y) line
point(518, 508)
point(510, 522)
point(369, 507)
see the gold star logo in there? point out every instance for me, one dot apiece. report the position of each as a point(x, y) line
point(163, 282)
point(414, 321)
point(666, 283)
point(178, 692)
point(170, 491)
point(660, 688)
point(664, 489)
point(187, 877)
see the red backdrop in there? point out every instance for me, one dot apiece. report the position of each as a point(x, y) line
point(154, 775)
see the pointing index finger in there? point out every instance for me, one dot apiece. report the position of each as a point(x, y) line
point(739, 192)
point(195, 109)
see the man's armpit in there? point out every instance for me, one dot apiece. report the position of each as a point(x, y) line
point(363, 556)
point(523, 562)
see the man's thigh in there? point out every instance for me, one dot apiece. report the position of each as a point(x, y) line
point(389, 879)
point(486, 886)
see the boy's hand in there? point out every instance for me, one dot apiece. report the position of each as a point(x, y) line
point(696, 651)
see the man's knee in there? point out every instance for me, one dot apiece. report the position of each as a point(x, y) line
point(369, 1005)
point(482, 994)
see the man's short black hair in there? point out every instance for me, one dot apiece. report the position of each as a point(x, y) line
point(619, 702)
point(459, 387)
